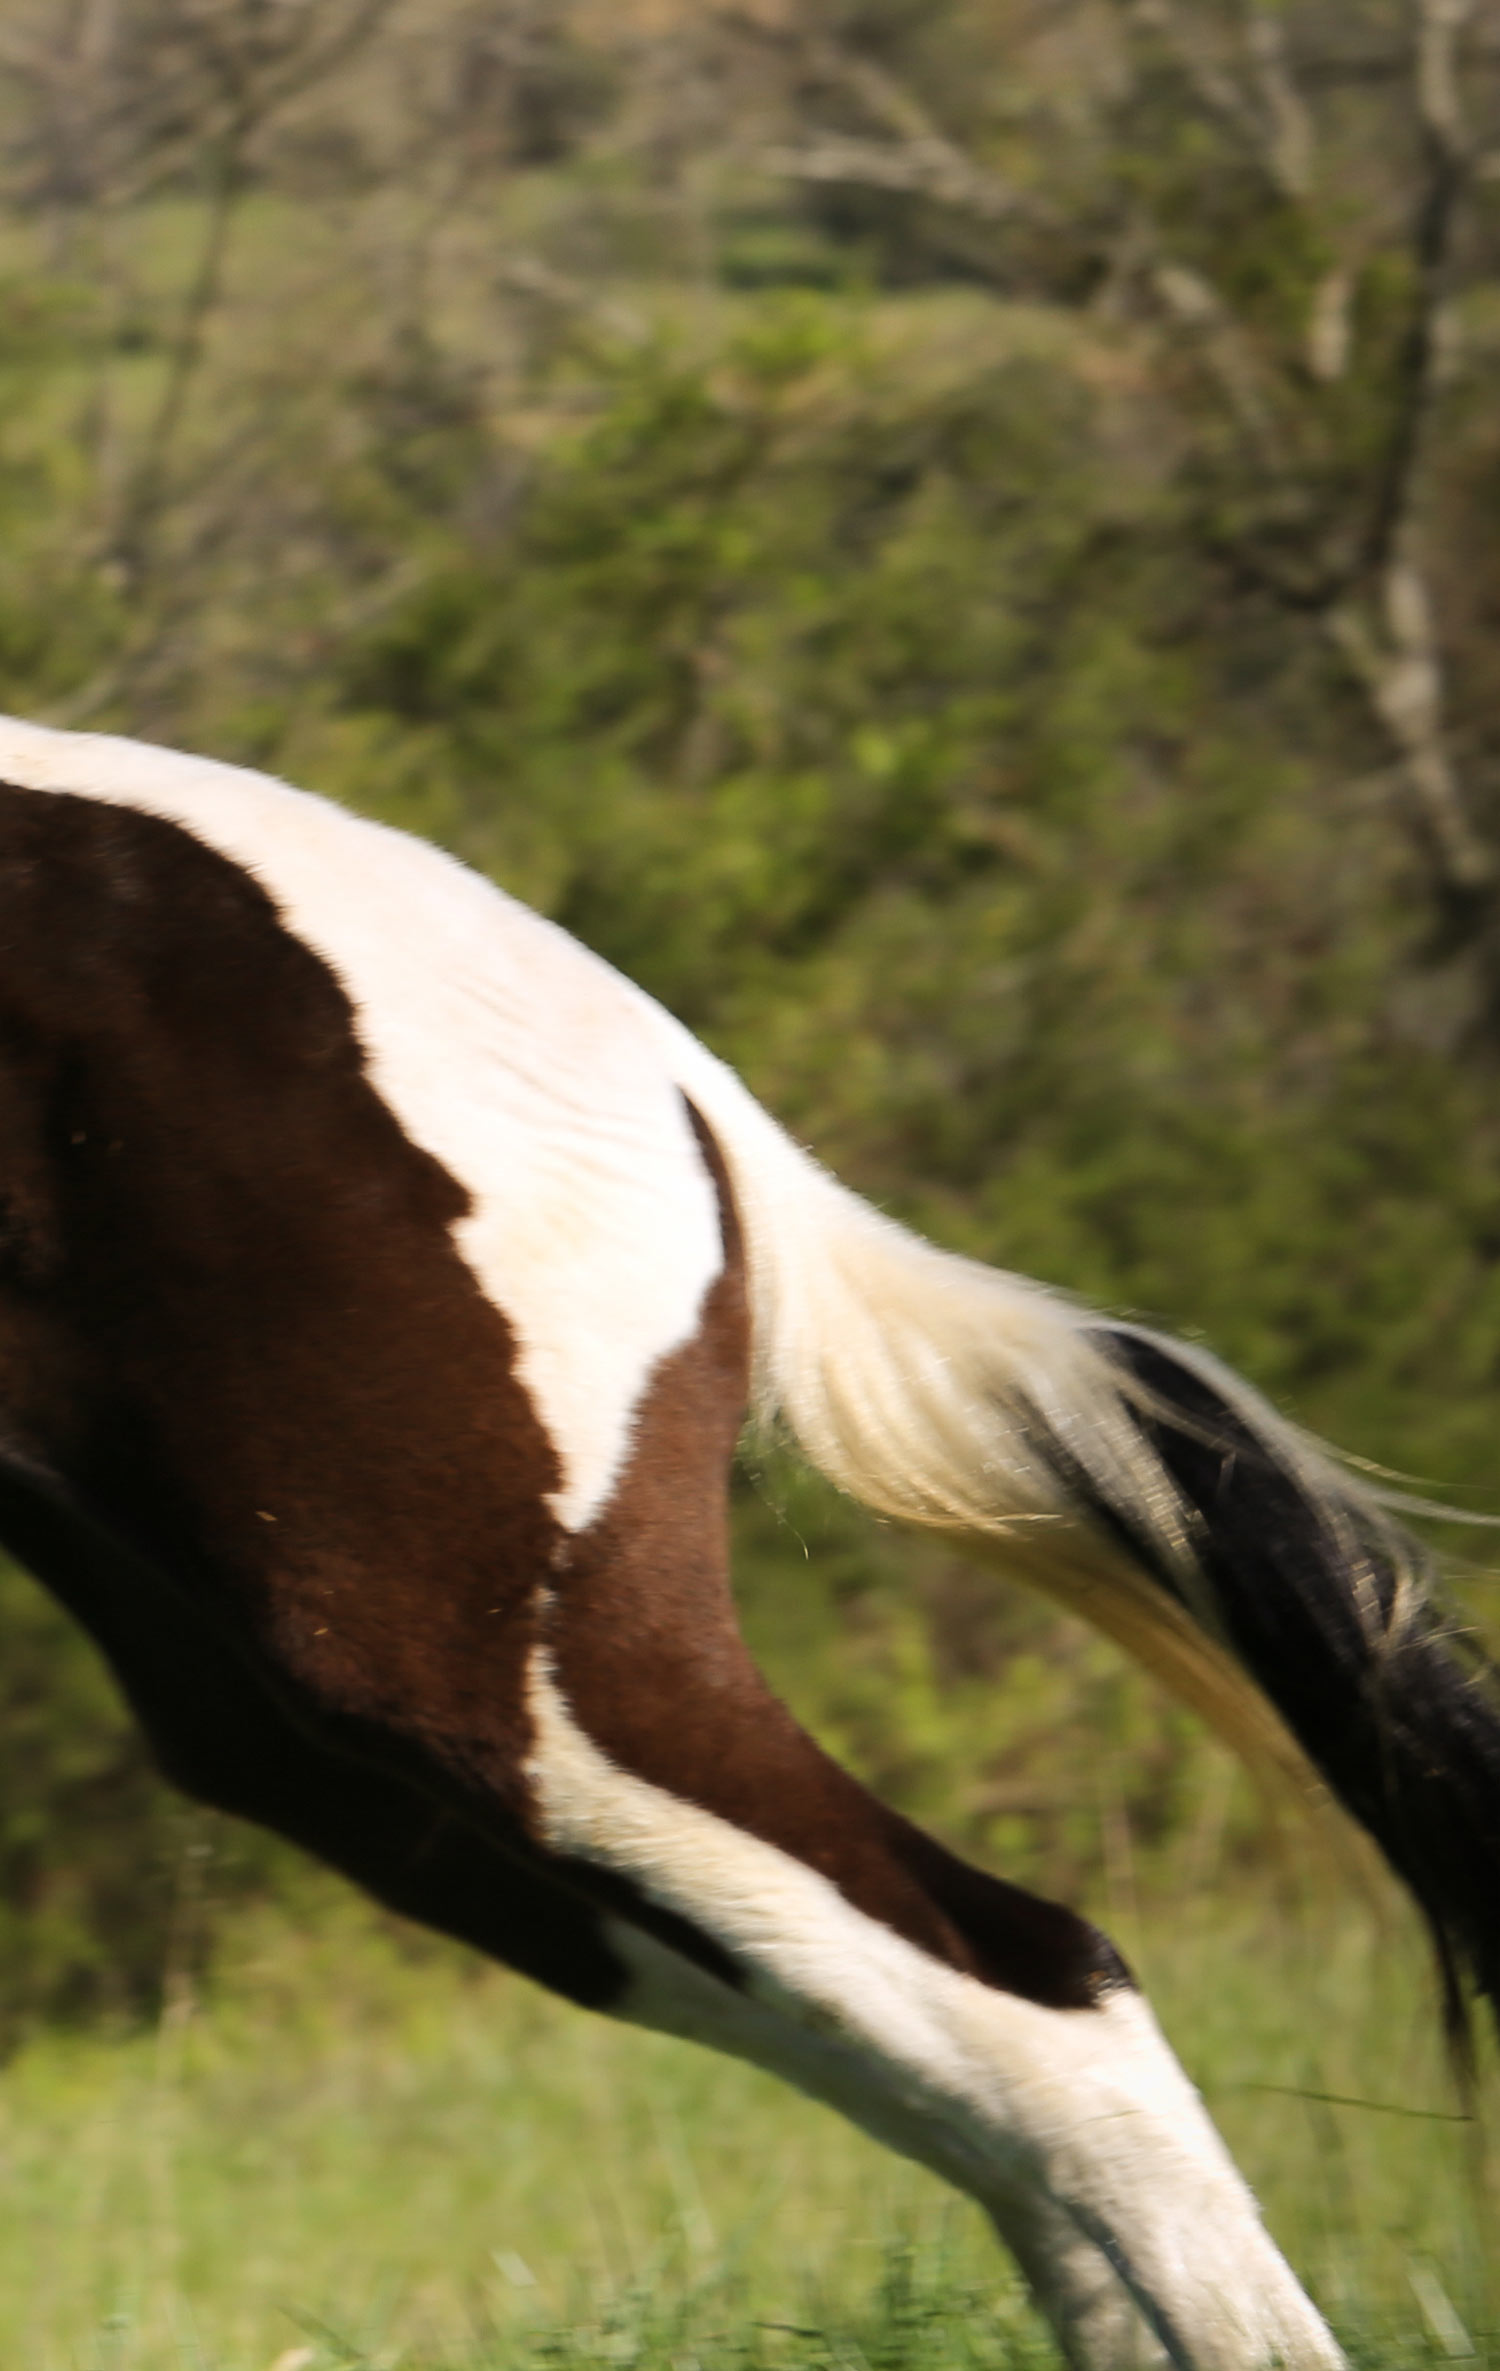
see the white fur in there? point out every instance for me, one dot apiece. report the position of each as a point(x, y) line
point(1071, 2278)
point(524, 1063)
point(1075, 2128)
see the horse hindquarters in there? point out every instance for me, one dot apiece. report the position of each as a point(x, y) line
point(257, 1325)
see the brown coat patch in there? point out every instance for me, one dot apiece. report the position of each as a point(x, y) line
point(227, 1739)
point(647, 1650)
point(234, 1314)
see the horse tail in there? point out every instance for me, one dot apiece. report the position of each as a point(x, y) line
point(1141, 1484)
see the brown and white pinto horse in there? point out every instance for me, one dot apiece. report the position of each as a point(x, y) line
point(383, 1285)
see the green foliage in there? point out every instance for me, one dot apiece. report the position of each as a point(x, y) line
point(70, 1768)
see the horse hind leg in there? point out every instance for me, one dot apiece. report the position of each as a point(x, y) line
point(1070, 2277)
point(995, 2038)
point(1073, 2127)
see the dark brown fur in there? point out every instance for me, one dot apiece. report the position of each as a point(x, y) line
point(227, 1739)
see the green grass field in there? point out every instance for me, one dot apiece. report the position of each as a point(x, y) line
point(359, 2152)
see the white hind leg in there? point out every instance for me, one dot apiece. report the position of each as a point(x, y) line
point(1075, 2128)
point(1071, 2279)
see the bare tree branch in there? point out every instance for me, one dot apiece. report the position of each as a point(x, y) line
point(1217, 90)
point(885, 99)
point(146, 93)
point(1198, 309)
point(1399, 666)
point(916, 156)
point(1446, 181)
point(1329, 325)
point(1372, 599)
point(1401, 673)
point(532, 276)
point(918, 168)
point(131, 539)
point(133, 114)
point(1290, 137)
point(1439, 24)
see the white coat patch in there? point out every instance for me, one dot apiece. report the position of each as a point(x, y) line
point(526, 1065)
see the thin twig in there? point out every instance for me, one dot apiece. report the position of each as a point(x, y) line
point(916, 156)
point(919, 169)
point(1339, 2099)
point(145, 495)
point(1289, 134)
point(1445, 183)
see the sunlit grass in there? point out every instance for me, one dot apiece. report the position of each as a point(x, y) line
point(351, 2154)
point(414, 2155)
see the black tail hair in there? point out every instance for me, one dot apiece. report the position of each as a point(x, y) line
point(1326, 1606)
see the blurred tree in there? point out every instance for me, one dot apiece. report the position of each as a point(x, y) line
point(1302, 198)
